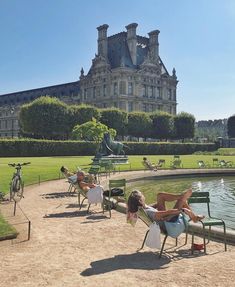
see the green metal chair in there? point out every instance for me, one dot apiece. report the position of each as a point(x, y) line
point(161, 163)
point(95, 171)
point(176, 156)
point(176, 163)
point(202, 164)
point(223, 163)
point(71, 181)
point(81, 197)
point(208, 221)
point(114, 183)
point(107, 165)
point(215, 162)
point(142, 215)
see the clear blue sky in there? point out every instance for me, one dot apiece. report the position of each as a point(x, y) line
point(47, 42)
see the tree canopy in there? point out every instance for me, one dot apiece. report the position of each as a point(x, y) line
point(91, 131)
point(162, 125)
point(184, 125)
point(115, 119)
point(45, 117)
point(81, 114)
point(139, 124)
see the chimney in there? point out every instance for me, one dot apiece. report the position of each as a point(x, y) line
point(154, 45)
point(132, 41)
point(103, 41)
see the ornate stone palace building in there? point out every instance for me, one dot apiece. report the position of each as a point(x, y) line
point(127, 73)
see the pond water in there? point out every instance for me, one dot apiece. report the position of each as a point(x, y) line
point(222, 193)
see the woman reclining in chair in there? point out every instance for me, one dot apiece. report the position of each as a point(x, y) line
point(92, 191)
point(158, 211)
point(83, 184)
point(147, 164)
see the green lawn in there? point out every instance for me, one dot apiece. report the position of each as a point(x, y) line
point(48, 168)
point(5, 228)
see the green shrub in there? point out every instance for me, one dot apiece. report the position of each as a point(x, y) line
point(33, 147)
point(166, 148)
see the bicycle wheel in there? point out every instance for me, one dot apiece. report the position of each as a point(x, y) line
point(17, 189)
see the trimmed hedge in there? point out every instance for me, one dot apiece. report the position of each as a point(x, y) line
point(167, 148)
point(32, 147)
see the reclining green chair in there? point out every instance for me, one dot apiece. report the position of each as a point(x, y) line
point(208, 221)
point(82, 196)
point(71, 180)
point(148, 221)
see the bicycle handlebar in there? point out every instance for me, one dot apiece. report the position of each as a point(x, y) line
point(18, 164)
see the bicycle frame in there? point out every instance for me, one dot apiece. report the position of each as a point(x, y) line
point(17, 185)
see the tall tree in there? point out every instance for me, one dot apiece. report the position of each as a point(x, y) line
point(231, 126)
point(162, 125)
point(91, 131)
point(80, 114)
point(139, 124)
point(45, 117)
point(184, 125)
point(115, 119)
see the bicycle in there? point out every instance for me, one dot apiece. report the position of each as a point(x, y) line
point(17, 184)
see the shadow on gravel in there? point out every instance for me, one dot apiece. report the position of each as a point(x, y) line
point(143, 260)
point(66, 214)
point(58, 195)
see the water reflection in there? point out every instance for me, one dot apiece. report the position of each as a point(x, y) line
point(222, 194)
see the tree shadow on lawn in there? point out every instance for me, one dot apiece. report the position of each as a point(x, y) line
point(58, 195)
point(141, 260)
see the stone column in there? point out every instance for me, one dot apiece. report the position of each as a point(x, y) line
point(154, 44)
point(103, 41)
point(132, 41)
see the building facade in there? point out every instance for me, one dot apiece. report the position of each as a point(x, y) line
point(127, 73)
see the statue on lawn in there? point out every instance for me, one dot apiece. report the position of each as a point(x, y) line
point(110, 147)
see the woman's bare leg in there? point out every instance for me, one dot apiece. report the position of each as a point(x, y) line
point(182, 201)
point(163, 197)
point(192, 215)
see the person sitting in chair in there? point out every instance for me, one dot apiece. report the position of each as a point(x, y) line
point(66, 171)
point(93, 192)
point(148, 164)
point(83, 184)
point(158, 211)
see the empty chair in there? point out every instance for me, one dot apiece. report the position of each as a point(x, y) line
point(215, 162)
point(94, 171)
point(223, 163)
point(202, 164)
point(176, 163)
point(208, 221)
point(107, 165)
point(161, 163)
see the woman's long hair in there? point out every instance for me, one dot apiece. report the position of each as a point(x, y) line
point(134, 201)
